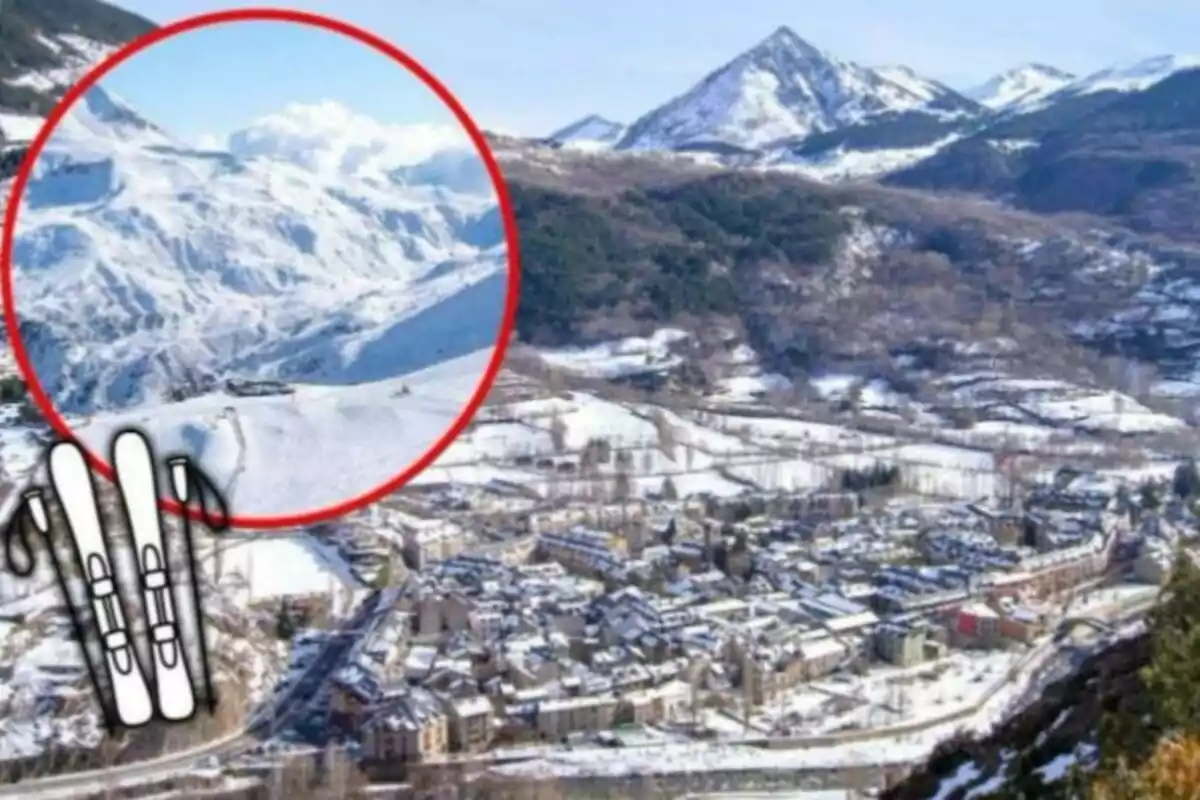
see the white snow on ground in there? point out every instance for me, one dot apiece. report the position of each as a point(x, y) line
point(1108, 410)
point(615, 359)
point(746, 388)
point(887, 696)
point(282, 565)
point(841, 164)
point(700, 451)
point(288, 454)
point(736, 443)
point(19, 127)
point(871, 394)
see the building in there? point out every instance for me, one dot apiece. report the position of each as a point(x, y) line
point(471, 723)
point(977, 624)
point(406, 727)
point(426, 541)
point(822, 656)
point(668, 702)
point(1062, 569)
point(560, 717)
point(1007, 527)
point(903, 645)
point(1022, 624)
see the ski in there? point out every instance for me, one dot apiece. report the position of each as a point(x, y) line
point(73, 485)
point(174, 693)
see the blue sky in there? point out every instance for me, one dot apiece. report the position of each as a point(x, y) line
point(227, 75)
point(533, 65)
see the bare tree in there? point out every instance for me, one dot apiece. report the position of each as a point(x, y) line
point(667, 439)
point(621, 488)
point(668, 489)
point(558, 432)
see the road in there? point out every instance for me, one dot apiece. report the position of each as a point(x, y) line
point(288, 709)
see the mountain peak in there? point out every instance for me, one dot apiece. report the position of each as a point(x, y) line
point(1020, 88)
point(783, 88)
point(100, 121)
point(1045, 69)
point(786, 38)
point(590, 131)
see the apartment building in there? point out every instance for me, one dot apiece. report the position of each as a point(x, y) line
point(668, 702)
point(409, 727)
point(977, 624)
point(472, 723)
point(561, 717)
point(426, 541)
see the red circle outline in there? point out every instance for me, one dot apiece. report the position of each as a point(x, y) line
point(93, 76)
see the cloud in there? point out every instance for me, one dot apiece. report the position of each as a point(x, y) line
point(327, 136)
point(207, 141)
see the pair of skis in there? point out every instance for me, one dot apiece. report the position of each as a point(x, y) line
point(138, 695)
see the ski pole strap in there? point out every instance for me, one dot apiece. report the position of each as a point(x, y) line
point(190, 482)
point(16, 537)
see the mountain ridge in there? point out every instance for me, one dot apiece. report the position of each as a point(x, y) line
point(1019, 87)
point(782, 88)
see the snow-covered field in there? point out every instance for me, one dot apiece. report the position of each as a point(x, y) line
point(284, 455)
point(738, 438)
point(887, 696)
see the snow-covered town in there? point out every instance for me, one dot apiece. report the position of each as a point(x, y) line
point(593, 589)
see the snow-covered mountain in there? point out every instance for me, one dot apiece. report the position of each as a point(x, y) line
point(593, 132)
point(337, 254)
point(1133, 77)
point(1020, 87)
point(785, 88)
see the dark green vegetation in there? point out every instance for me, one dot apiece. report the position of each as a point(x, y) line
point(12, 390)
point(813, 277)
point(1131, 156)
point(654, 254)
point(1113, 713)
point(880, 476)
point(25, 25)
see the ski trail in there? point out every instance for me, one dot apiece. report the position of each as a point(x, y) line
point(230, 416)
